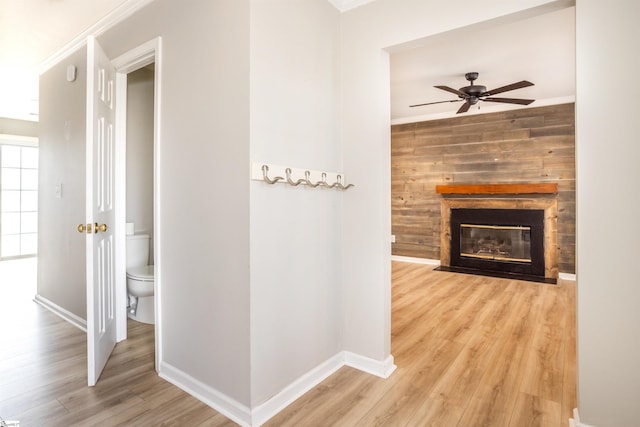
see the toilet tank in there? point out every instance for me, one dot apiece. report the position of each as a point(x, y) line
point(137, 250)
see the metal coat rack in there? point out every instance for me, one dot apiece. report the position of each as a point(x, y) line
point(272, 174)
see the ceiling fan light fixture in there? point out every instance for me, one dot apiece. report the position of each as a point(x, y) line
point(473, 90)
point(472, 94)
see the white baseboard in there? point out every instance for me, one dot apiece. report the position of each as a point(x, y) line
point(415, 260)
point(293, 391)
point(575, 421)
point(75, 320)
point(382, 369)
point(567, 276)
point(308, 381)
point(227, 406)
point(242, 415)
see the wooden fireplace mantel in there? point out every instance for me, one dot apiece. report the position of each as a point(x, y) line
point(541, 188)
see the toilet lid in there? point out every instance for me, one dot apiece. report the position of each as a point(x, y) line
point(144, 272)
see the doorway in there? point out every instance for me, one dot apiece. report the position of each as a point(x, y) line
point(137, 184)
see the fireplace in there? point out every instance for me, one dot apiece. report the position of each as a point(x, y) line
point(499, 234)
point(498, 240)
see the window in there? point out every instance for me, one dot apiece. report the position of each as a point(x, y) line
point(18, 200)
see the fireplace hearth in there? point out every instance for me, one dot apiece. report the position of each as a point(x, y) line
point(506, 235)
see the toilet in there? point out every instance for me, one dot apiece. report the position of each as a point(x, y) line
point(140, 279)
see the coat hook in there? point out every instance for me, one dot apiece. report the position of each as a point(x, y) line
point(339, 183)
point(323, 181)
point(334, 185)
point(290, 181)
point(265, 176)
point(307, 181)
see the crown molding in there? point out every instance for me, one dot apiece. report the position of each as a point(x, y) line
point(344, 5)
point(127, 9)
point(117, 15)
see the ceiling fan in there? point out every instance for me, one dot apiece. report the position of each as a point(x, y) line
point(473, 93)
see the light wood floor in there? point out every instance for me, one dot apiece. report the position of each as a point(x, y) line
point(471, 351)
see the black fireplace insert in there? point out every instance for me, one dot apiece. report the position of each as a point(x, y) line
point(502, 242)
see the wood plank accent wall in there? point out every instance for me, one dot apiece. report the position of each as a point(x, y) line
point(531, 145)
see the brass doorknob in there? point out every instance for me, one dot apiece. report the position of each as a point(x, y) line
point(102, 228)
point(84, 228)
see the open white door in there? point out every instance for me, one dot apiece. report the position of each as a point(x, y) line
point(100, 214)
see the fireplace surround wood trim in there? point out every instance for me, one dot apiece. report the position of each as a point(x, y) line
point(550, 207)
point(539, 188)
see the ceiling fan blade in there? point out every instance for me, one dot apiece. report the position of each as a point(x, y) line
point(452, 90)
point(465, 107)
point(512, 86)
point(437, 102)
point(510, 100)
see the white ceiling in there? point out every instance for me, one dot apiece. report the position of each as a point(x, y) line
point(539, 49)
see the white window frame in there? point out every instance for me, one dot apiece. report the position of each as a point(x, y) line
point(23, 141)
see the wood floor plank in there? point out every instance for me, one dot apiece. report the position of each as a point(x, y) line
point(336, 401)
point(457, 384)
point(413, 386)
point(533, 411)
point(569, 392)
point(434, 413)
point(545, 364)
point(434, 305)
point(496, 395)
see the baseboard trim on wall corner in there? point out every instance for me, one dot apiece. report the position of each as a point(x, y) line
point(242, 415)
point(267, 410)
point(227, 406)
point(567, 276)
point(575, 421)
point(64, 314)
point(382, 369)
point(311, 379)
point(415, 260)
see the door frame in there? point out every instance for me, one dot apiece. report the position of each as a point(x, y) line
point(139, 57)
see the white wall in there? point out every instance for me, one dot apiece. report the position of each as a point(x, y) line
point(296, 310)
point(140, 86)
point(61, 249)
point(608, 175)
point(367, 32)
point(204, 194)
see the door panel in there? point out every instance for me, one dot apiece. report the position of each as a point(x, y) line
point(101, 324)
